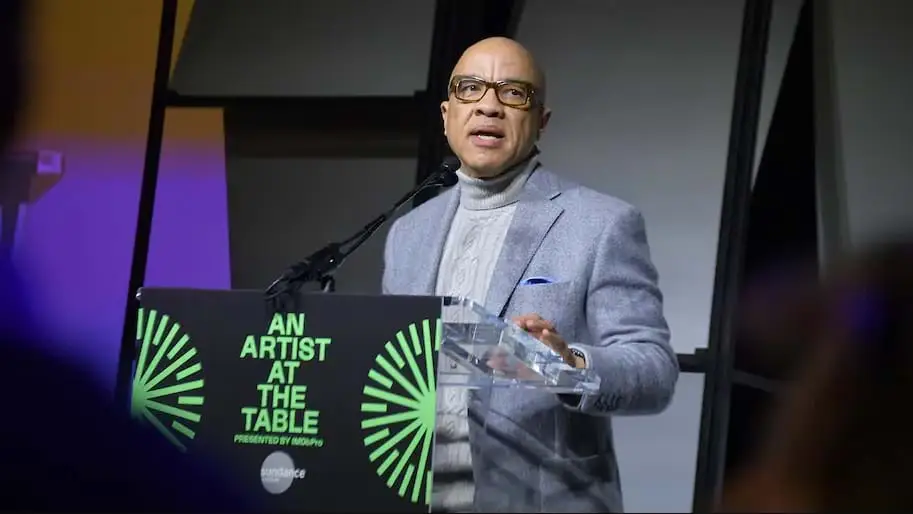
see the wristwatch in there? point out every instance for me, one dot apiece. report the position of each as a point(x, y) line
point(579, 356)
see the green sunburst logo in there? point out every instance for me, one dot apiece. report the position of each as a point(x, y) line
point(168, 380)
point(399, 410)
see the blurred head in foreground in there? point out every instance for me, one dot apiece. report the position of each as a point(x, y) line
point(842, 437)
point(64, 446)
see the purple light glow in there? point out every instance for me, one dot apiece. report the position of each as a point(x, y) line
point(76, 244)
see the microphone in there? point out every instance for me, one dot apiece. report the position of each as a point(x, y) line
point(320, 265)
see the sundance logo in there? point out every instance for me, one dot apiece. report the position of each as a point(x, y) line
point(278, 472)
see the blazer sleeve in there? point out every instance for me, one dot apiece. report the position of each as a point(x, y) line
point(389, 245)
point(637, 366)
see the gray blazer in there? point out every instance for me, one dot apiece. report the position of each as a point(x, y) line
point(535, 451)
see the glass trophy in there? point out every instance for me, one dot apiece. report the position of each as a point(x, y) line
point(486, 351)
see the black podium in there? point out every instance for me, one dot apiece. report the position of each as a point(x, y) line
point(329, 403)
point(291, 402)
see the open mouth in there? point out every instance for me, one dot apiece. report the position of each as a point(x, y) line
point(487, 134)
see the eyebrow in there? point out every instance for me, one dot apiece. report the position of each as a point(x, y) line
point(509, 79)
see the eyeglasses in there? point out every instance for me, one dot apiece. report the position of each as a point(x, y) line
point(512, 93)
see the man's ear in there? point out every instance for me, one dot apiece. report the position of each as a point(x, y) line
point(543, 120)
point(444, 106)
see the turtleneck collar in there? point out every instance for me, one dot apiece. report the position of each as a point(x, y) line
point(483, 194)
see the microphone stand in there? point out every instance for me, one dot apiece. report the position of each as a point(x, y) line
point(321, 265)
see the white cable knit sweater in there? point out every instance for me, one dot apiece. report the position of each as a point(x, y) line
point(470, 253)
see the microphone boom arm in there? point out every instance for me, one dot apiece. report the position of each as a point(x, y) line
point(322, 264)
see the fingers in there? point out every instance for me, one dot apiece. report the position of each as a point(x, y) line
point(544, 331)
point(553, 341)
point(533, 323)
point(539, 325)
point(559, 345)
point(523, 320)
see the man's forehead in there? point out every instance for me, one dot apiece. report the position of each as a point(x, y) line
point(493, 66)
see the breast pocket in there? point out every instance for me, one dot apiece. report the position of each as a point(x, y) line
point(555, 302)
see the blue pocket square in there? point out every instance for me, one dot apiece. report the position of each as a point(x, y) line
point(535, 281)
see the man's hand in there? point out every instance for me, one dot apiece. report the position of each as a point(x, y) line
point(545, 331)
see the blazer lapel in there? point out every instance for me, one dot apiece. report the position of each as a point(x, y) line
point(434, 229)
point(535, 215)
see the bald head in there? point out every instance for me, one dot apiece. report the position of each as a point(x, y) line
point(495, 111)
point(506, 52)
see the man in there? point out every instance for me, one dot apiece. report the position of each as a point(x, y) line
point(564, 262)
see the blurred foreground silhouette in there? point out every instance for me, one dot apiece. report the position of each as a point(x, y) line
point(840, 439)
point(64, 446)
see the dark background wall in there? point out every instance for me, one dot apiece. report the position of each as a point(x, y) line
point(864, 76)
point(290, 48)
point(282, 209)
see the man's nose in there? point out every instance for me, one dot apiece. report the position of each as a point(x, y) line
point(489, 105)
